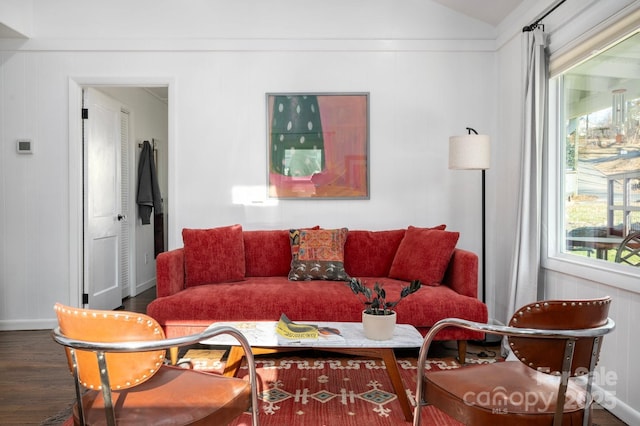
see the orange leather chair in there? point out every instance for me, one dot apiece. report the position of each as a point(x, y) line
point(553, 341)
point(117, 360)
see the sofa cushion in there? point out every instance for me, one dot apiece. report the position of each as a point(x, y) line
point(267, 253)
point(317, 254)
point(266, 298)
point(370, 253)
point(213, 255)
point(424, 254)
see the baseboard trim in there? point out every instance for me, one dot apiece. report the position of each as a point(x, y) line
point(23, 325)
point(145, 286)
point(609, 401)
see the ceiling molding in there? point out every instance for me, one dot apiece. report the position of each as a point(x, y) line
point(257, 45)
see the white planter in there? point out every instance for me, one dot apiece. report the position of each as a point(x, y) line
point(378, 327)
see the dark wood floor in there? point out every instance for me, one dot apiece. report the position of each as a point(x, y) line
point(35, 383)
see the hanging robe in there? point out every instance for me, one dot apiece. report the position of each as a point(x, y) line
point(148, 197)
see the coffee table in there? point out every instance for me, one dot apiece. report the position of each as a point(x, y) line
point(263, 339)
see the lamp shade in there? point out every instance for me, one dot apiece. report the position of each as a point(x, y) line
point(469, 152)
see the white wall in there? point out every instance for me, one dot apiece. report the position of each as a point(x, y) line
point(426, 79)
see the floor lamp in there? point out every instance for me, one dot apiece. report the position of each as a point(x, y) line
point(473, 152)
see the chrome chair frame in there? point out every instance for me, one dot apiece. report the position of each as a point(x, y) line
point(569, 335)
point(101, 348)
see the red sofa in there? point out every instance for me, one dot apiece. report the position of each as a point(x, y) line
point(230, 274)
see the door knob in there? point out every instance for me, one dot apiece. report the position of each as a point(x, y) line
point(122, 217)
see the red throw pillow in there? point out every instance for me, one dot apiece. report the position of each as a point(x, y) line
point(213, 255)
point(424, 255)
point(371, 253)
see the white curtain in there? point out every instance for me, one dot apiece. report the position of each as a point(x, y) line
point(524, 285)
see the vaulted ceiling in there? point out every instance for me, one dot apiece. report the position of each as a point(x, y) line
point(489, 11)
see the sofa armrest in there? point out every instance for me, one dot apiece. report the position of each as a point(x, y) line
point(462, 273)
point(170, 272)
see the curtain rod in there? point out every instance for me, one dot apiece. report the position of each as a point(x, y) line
point(534, 25)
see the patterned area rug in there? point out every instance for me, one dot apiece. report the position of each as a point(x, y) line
point(321, 389)
point(338, 391)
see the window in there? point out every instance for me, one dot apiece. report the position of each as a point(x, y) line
point(599, 112)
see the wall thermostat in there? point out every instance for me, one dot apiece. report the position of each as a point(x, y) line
point(24, 146)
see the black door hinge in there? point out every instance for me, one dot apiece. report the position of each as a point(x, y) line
point(85, 113)
point(85, 299)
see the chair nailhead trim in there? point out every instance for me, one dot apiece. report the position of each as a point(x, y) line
point(140, 320)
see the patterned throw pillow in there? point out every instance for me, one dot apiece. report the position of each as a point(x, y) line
point(317, 254)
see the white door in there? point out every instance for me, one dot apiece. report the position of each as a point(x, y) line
point(102, 202)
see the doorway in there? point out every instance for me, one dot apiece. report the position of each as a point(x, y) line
point(143, 114)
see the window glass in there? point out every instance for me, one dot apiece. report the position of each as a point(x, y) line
point(600, 110)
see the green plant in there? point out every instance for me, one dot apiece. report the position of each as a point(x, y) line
point(375, 300)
